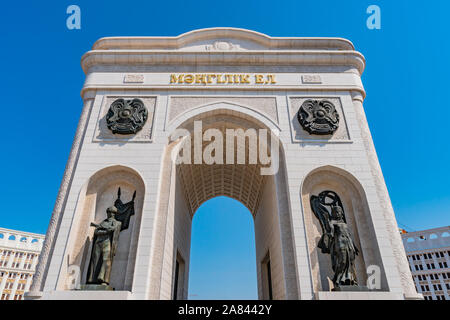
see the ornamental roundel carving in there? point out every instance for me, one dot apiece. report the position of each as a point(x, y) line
point(318, 117)
point(126, 116)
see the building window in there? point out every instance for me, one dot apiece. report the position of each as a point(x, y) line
point(437, 287)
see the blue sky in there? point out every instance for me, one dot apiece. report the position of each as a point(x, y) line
point(406, 80)
point(223, 257)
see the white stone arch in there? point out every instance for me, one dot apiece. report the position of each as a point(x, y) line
point(175, 212)
point(359, 219)
point(210, 109)
point(97, 193)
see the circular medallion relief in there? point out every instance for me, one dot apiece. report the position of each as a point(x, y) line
point(126, 116)
point(318, 117)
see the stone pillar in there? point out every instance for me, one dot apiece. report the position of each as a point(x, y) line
point(287, 246)
point(385, 202)
point(34, 261)
point(3, 283)
point(14, 288)
point(28, 284)
point(22, 261)
point(10, 259)
point(50, 237)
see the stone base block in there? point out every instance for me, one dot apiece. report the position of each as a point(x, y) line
point(361, 295)
point(96, 287)
point(350, 288)
point(84, 295)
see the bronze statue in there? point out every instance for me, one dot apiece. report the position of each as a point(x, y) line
point(336, 238)
point(106, 237)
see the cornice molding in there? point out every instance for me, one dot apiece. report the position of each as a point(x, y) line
point(223, 46)
point(229, 58)
point(219, 33)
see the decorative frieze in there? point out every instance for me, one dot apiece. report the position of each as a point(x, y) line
point(181, 104)
point(133, 78)
point(311, 79)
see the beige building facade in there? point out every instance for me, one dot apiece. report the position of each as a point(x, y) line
point(221, 79)
point(428, 253)
point(19, 252)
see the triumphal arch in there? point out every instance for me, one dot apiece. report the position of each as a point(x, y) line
point(275, 123)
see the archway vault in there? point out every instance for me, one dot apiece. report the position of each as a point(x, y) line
point(188, 185)
point(242, 182)
point(202, 182)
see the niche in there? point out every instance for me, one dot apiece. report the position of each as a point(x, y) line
point(100, 192)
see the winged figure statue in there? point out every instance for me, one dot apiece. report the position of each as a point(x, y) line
point(336, 238)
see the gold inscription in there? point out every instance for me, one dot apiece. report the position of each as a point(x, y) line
point(222, 79)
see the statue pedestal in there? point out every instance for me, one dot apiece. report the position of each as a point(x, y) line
point(351, 288)
point(81, 295)
point(96, 287)
point(358, 295)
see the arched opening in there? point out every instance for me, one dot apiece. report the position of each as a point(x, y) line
point(187, 186)
point(100, 192)
point(223, 259)
point(357, 213)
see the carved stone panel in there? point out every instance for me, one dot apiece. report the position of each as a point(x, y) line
point(265, 105)
point(126, 116)
point(125, 119)
point(318, 119)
